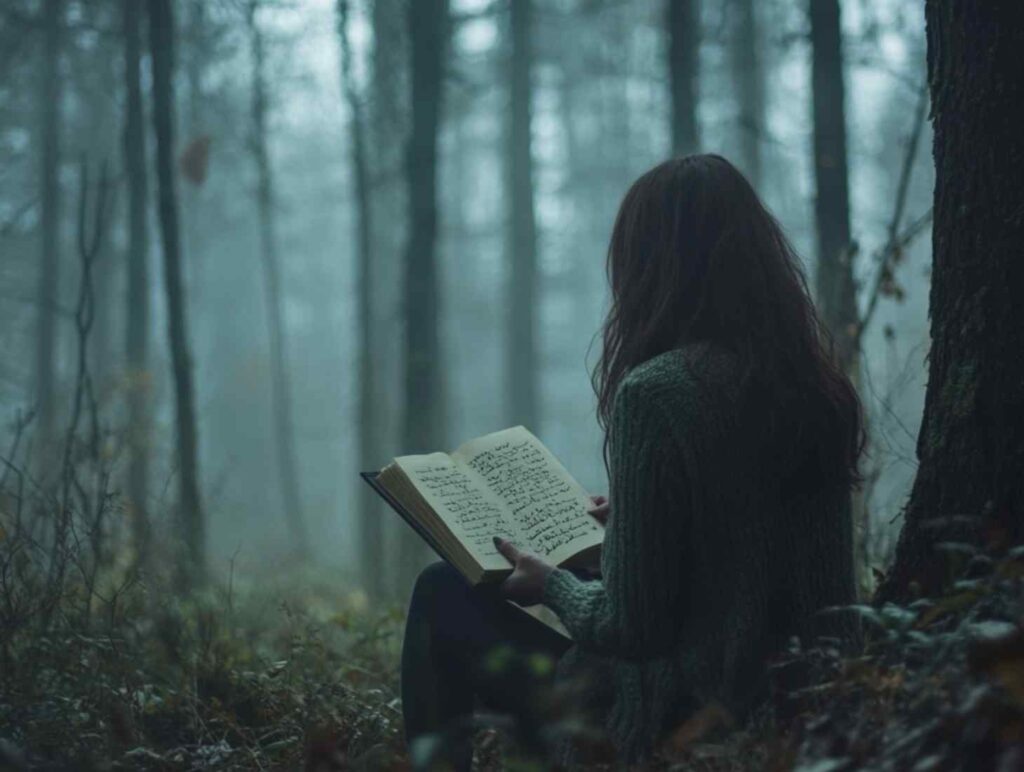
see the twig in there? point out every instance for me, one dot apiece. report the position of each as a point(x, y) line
point(895, 241)
point(89, 244)
point(885, 258)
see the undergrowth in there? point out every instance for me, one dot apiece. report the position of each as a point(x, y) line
point(103, 666)
point(246, 679)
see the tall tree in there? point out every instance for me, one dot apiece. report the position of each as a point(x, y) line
point(371, 532)
point(196, 61)
point(682, 23)
point(748, 79)
point(522, 365)
point(424, 409)
point(836, 292)
point(280, 385)
point(192, 563)
point(970, 480)
point(47, 296)
point(387, 117)
point(138, 315)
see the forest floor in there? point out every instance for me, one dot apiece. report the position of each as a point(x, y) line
point(300, 674)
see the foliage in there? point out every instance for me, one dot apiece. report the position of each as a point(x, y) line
point(939, 686)
point(103, 666)
point(230, 679)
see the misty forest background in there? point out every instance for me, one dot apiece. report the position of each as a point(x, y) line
point(249, 248)
point(347, 295)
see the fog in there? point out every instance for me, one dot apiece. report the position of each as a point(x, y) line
point(600, 117)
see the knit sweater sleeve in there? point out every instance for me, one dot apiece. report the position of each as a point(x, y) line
point(632, 612)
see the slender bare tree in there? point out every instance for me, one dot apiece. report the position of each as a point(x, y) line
point(747, 66)
point(280, 383)
point(835, 288)
point(192, 562)
point(137, 314)
point(47, 295)
point(522, 365)
point(682, 23)
point(371, 530)
point(424, 408)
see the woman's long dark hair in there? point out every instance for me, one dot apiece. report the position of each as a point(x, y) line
point(695, 256)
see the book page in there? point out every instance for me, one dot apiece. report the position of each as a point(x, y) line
point(548, 506)
point(463, 502)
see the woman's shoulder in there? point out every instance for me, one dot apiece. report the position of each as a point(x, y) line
point(688, 369)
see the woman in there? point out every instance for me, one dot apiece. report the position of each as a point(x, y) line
point(732, 443)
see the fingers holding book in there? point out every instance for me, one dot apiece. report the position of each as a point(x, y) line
point(601, 509)
point(525, 585)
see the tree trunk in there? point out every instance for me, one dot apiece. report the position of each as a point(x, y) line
point(748, 79)
point(682, 22)
point(371, 532)
point(192, 563)
point(423, 416)
point(836, 293)
point(101, 62)
point(137, 315)
point(970, 481)
point(195, 63)
point(47, 296)
point(280, 385)
point(522, 365)
point(387, 117)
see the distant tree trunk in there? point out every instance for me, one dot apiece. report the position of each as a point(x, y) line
point(192, 204)
point(101, 62)
point(388, 120)
point(682, 23)
point(192, 565)
point(371, 531)
point(970, 481)
point(137, 316)
point(280, 385)
point(522, 365)
point(424, 413)
point(836, 293)
point(748, 79)
point(47, 296)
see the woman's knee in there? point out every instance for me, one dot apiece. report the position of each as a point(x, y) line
point(435, 576)
point(435, 582)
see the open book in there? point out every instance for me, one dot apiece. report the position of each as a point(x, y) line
point(503, 484)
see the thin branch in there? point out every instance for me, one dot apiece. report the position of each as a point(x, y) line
point(885, 258)
point(895, 240)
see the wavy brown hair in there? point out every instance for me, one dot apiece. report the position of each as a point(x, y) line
point(695, 256)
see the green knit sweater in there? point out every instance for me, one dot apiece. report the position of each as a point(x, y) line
point(704, 575)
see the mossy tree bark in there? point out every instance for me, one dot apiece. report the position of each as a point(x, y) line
point(970, 482)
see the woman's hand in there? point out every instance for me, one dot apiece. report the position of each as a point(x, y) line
point(525, 585)
point(601, 509)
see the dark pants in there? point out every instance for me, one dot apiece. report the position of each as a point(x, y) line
point(458, 639)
